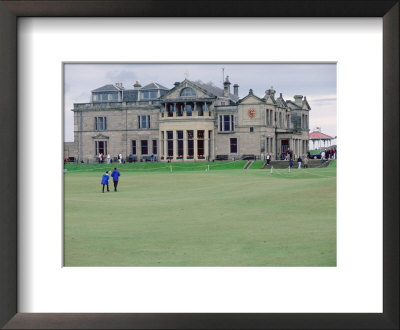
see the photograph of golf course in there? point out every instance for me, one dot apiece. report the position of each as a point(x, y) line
point(201, 214)
point(200, 165)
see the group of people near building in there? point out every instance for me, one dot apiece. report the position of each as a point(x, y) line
point(106, 176)
point(100, 158)
point(328, 154)
point(300, 161)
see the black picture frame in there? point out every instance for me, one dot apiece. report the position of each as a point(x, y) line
point(9, 13)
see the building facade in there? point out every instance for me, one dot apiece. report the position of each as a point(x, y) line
point(189, 122)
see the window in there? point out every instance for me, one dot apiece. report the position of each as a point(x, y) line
point(251, 129)
point(188, 109)
point(226, 123)
point(280, 119)
point(147, 95)
point(188, 92)
point(100, 147)
point(201, 110)
point(200, 144)
point(170, 143)
point(105, 97)
point(233, 145)
point(190, 144)
point(170, 110)
point(133, 147)
point(143, 122)
point(288, 121)
point(155, 147)
point(180, 143)
point(143, 145)
point(100, 123)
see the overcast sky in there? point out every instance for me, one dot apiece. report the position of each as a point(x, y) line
point(316, 81)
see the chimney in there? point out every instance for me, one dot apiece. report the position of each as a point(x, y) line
point(227, 87)
point(270, 91)
point(137, 85)
point(298, 100)
point(236, 90)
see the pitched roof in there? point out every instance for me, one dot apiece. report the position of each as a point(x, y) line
point(131, 95)
point(154, 85)
point(214, 90)
point(319, 136)
point(281, 102)
point(251, 95)
point(293, 105)
point(107, 88)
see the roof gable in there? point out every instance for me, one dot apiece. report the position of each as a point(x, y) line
point(175, 92)
point(269, 99)
point(107, 88)
point(306, 106)
point(251, 98)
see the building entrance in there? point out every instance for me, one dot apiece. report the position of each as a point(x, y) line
point(284, 145)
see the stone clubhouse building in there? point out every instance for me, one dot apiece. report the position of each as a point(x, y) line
point(192, 121)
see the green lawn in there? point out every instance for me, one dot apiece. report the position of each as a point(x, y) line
point(192, 217)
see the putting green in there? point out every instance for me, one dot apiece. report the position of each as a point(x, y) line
point(192, 217)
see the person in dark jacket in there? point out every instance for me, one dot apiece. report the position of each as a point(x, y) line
point(104, 180)
point(115, 175)
point(299, 160)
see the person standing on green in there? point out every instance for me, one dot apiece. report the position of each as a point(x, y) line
point(104, 181)
point(115, 175)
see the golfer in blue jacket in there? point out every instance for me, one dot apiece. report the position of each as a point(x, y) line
point(104, 180)
point(115, 175)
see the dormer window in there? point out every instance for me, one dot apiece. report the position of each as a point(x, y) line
point(187, 92)
point(105, 97)
point(146, 95)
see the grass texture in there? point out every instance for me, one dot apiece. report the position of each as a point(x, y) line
point(192, 216)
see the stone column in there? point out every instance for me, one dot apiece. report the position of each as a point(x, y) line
point(165, 145)
point(159, 151)
point(206, 151)
point(185, 144)
point(195, 144)
point(212, 153)
point(174, 143)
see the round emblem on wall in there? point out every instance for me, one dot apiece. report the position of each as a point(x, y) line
point(252, 113)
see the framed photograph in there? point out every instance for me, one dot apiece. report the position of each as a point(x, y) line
point(213, 221)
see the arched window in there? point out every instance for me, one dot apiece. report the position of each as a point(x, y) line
point(188, 92)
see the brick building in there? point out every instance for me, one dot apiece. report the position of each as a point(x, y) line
point(191, 121)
